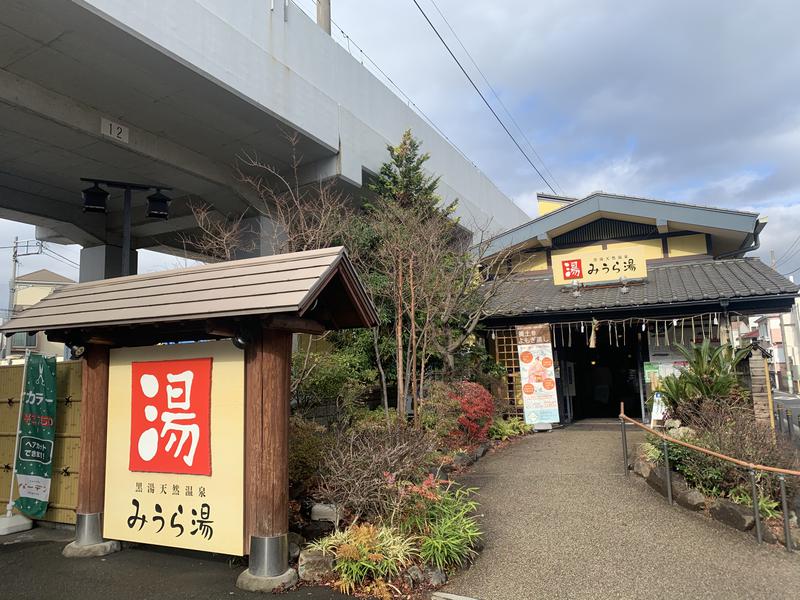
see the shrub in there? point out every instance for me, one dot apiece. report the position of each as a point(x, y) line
point(366, 552)
point(730, 430)
point(502, 429)
point(308, 443)
point(477, 410)
point(443, 520)
point(439, 411)
point(338, 376)
point(353, 472)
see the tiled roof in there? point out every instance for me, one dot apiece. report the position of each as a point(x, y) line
point(283, 283)
point(702, 281)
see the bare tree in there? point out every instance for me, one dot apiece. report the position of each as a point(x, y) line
point(302, 216)
point(218, 237)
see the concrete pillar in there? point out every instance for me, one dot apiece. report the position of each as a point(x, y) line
point(104, 262)
point(324, 15)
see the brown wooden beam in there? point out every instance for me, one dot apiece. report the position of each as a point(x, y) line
point(94, 421)
point(294, 324)
point(267, 379)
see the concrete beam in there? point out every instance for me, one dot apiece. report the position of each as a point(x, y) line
point(662, 225)
point(53, 215)
point(67, 112)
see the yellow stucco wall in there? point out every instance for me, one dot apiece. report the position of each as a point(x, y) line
point(679, 246)
point(30, 295)
point(546, 206)
point(687, 245)
point(529, 262)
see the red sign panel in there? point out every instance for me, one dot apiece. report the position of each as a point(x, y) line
point(572, 269)
point(171, 416)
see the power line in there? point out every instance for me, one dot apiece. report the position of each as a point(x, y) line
point(486, 102)
point(349, 41)
point(53, 252)
point(496, 95)
point(783, 258)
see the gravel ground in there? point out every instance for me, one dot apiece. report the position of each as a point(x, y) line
point(563, 521)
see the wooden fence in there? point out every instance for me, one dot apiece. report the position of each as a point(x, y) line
point(66, 456)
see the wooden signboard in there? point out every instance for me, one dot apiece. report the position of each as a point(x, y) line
point(599, 266)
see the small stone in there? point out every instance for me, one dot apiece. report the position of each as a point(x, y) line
point(691, 499)
point(313, 565)
point(767, 536)
point(435, 577)
point(732, 514)
point(655, 479)
point(324, 512)
point(295, 538)
point(481, 450)
point(416, 574)
point(316, 530)
point(294, 551)
point(463, 459)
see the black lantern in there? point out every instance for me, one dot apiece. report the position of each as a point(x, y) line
point(94, 199)
point(158, 205)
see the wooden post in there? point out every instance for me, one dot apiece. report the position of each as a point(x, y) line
point(94, 422)
point(267, 379)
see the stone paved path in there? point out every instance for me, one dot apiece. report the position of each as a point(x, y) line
point(562, 521)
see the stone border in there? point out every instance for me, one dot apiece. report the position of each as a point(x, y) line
point(720, 509)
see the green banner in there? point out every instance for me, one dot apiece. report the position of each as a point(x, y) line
point(37, 433)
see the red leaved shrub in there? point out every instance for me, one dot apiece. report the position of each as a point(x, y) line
point(477, 410)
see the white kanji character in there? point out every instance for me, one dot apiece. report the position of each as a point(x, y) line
point(174, 393)
point(186, 430)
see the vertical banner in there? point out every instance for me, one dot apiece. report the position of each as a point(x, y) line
point(37, 432)
point(175, 447)
point(537, 374)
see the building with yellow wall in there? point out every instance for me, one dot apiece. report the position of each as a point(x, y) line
point(30, 289)
point(617, 283)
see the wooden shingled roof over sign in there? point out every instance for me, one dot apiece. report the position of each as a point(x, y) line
point(302, 291)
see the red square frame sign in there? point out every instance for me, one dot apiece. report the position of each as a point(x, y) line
point(171, 416)
point(572, 269)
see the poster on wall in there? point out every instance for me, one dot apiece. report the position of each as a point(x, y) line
point(175, 450)
point(537, 375)
point(654, 372)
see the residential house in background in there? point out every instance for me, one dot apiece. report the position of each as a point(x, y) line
point(30, 289)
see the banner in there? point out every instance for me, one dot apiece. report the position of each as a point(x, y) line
point(175, 447)
point(537, 374)
point(37, 432)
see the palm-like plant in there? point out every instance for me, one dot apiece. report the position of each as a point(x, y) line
point(711, 371)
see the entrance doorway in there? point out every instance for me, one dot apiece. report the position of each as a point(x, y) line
point(605, 375)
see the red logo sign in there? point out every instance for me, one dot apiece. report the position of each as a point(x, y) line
point(171, 416)
point(572, 269)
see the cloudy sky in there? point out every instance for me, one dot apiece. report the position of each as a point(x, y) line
point(687, 101)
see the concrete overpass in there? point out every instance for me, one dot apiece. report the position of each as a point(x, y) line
point(168, 93)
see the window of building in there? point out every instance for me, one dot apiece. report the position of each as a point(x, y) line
point(23, 340)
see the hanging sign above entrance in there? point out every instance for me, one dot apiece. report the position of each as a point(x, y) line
point(537, 374)
point(599, 266)
point(175, 447)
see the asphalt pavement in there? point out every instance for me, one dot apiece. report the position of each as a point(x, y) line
point(31, 567)
point(784, 401)
point(563, 521)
